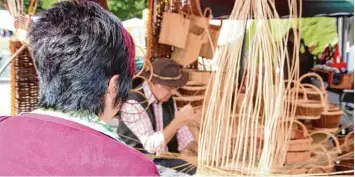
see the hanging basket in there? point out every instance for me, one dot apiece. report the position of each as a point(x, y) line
point(207, 49)
point(189, 54)
point(174, 29)
point(200, 21)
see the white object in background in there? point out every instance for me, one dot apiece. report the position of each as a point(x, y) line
point(136, 27)
point(7, 22)
point(350, 63)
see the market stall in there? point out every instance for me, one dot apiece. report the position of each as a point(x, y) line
point(315, 123)
point(253, 122)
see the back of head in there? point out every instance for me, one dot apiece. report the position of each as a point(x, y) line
point(77, 47)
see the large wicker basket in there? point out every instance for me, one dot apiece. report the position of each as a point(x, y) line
point(24, 81)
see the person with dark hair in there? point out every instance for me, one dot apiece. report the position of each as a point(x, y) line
point(85, 63)
point(150, 121)
point(306, 61)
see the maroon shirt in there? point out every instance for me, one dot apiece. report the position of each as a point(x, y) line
point(35, 144)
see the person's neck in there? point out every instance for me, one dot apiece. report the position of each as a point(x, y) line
point(106, 116)
point(152, 89)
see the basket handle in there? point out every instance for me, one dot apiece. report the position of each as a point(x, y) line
point(207, 9)
point(184, 14)
point(314, 75)
point(138, 75)
point(322, 99)
point(304, 128)
point(330, 164)
point(337, 144)
point(347, 137)
point(300, 86)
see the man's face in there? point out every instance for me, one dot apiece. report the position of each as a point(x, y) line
point(163, 93)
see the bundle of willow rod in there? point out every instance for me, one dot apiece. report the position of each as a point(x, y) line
point(232, 134)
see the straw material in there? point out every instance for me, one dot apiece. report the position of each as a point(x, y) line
point(25, 82)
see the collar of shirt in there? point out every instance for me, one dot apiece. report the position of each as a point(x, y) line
point(149, 94)
point(83, 118)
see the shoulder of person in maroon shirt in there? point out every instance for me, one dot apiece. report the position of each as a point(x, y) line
point(34, 144)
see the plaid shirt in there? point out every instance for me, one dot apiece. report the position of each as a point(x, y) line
point(138, 121)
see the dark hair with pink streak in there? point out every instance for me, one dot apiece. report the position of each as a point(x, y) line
point(78, 47)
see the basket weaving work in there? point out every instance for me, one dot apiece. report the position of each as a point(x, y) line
point(328, 120)
point(25, 89)
point(309, 109)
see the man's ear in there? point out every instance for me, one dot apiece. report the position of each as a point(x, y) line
point(112, 84)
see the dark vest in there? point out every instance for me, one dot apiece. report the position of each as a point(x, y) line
point(168, 115)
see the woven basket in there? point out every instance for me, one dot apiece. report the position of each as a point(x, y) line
point(311, 109)
point(202, 77)
point(332, 151)
point(294, 157)
point(193, 88)
point(328, 120)
point(24, 85)
point(333, 108)
point(311, 93)
point(194, 101)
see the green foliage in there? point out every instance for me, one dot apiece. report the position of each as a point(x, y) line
point(48, 3)
point(126, 9)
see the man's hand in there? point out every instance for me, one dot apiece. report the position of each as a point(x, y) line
point(185, 115)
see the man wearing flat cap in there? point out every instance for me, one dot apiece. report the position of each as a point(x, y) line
point(149, 120)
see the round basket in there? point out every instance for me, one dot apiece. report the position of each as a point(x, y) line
point(193, 88)
point(329, 120)
point(309, 109)
point(194, 101)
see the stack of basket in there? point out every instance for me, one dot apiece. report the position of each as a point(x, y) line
point(313, 106)
point(193, 93)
